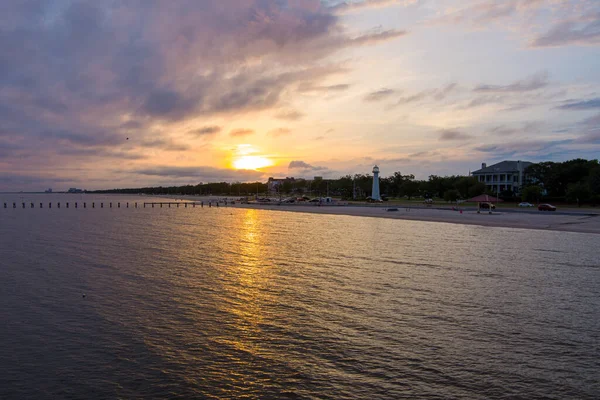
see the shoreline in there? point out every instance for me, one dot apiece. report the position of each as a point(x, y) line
point(583, 223)
point(579, 222)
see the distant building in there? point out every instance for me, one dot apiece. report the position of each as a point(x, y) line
point(506, 175)
point(48, 190)
point(273, 183)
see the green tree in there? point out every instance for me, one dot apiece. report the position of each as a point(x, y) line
point(579, 192)
point(410, 188)
point(532, 194)
point(451, 195)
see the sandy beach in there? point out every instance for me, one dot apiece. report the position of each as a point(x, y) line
point(567, 221)
point(574, 222)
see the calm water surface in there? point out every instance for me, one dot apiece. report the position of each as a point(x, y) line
point(236, 303)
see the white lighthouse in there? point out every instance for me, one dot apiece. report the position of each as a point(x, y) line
point(375, 193)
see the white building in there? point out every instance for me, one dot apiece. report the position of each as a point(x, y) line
point(375, 192)
point(506, 175)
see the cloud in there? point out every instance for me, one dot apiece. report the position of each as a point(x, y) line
point(522, 147)
point(280, 132)
point(379, 95)
point(241, 132)
point(534, 82)
point(307, 87)
point(164, 144)
point(350, 6)
point(80, 75)
point(586, 32)
point(448, 135)
point(205, 131)
point(290, 115)
point(376, 37)
point(591, 130)
point(201, 173)
point(582, 105)
point(301, 165)
point(437, 94)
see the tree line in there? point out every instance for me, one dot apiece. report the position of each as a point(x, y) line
point(347, 187)
point(573, 181)
point(576, 181)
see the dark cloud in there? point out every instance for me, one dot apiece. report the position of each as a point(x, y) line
point(164, 144)
point(379, 95)
point(447, 135)
point(584, 32)
point(415, 97)
point(522, 147)
point(200, 173)
point(307, 87)
point(534, 82)
point(205, 131)
point(71, 73)
point(348, 6)
point(168, 103)
point(581, 105)
point(375, 37)
point(301, 165)
point(590, 127)
point(241, 132)
point(437, 94)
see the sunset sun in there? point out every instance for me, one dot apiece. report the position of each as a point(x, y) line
point(251, 162)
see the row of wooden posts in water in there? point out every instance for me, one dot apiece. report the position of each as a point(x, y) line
point(118, 204)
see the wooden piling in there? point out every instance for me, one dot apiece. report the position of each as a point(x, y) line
point(93, 205)
point(101, 205)
point(127, 204)
point(49, 205)
point(14, 205)
point(67, 204)
point(119, 205)
point(58, 205)
point(110, 204)
point(75, 204)
point(84, 205)
point(4, 205)
point(41, 205)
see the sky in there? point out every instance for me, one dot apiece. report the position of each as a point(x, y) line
point(113, 94)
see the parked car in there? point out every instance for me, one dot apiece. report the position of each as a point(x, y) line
point(487, 206)
point(546, 207)
point(525, 204)
point(372, 200)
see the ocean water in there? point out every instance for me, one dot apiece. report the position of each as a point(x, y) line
point(240, 303)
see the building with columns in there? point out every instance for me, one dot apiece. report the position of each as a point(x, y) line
point(506, 175)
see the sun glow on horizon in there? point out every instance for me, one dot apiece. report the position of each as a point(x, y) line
point(252, 162)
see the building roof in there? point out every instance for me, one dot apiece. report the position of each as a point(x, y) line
point(502, 167)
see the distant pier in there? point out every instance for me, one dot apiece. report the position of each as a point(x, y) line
point(165, 204)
